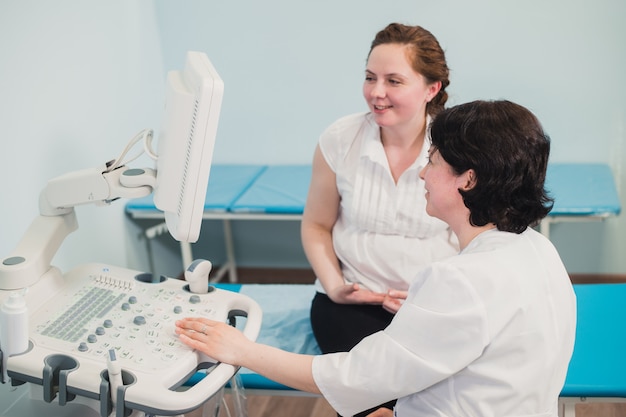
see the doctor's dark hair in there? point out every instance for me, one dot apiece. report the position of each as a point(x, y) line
point(507, 148)
point(425, 55)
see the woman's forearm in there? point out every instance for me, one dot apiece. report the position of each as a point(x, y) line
point(319, 250)
point(320, 214)
point(291, 369)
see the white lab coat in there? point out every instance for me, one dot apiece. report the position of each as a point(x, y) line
point(489, 332)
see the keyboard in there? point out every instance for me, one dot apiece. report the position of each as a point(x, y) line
point(72, 324)
point(133, 316)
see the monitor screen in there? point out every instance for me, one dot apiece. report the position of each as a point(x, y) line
point(185, 145)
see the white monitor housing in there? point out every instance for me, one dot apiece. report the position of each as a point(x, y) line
point(185, 145)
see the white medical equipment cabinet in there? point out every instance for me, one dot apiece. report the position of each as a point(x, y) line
point(101, 335)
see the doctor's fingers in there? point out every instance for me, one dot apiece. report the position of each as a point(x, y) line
point(199, 325)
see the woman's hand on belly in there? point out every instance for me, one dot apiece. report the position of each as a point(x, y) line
point(354, 294)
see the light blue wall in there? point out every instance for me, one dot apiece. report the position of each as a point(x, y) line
point(291, 68)
point(79, 78)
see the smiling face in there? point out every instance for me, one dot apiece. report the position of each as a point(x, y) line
point(443, 199)
point(395, 93)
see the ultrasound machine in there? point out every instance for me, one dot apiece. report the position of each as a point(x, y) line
point(99, 339)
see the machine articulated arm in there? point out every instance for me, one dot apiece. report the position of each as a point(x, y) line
point(31, 258)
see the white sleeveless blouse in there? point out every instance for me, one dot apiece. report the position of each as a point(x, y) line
point(383, 234)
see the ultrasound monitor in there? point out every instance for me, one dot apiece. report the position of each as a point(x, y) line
point(179, 183)
point(185, 145)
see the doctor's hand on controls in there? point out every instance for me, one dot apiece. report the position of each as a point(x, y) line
point(487, 332)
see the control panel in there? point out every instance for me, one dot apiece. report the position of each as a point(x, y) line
point(103, 310)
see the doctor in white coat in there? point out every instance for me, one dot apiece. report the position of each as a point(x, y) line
point(488, 332)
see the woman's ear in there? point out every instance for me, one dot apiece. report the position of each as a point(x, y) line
point(469, 180)
point(433, 90)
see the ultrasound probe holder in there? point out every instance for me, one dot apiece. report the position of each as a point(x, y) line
point(139, 313)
